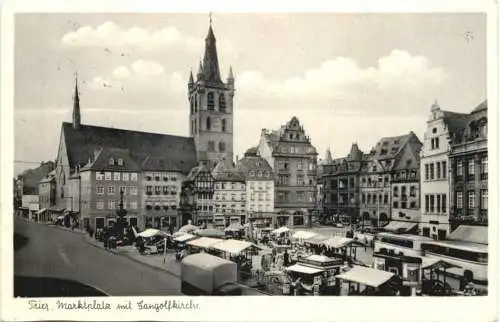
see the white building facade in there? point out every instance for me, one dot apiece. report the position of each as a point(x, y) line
point(434, 175)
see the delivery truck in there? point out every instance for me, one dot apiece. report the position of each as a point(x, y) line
point(204, 274)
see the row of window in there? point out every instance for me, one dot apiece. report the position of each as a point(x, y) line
point(301, 196)
point(229, 186)
point(435, 170)
point(342, 183)
point(127, 190)
point(261, 185)
point(435, 203)
point(372, 199)
point(166, 190)
point(300, 165)
point(404, 205)
point(471, 199)
point(211, 146)
point(160, 176)
point(413, 191)
point(116, 176)
point(113, 204)
point(232, 197)
point(210, 102)
point(471, 167)
point(284, 180)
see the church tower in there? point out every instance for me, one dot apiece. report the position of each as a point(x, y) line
point(211, 107)
point(76, 107)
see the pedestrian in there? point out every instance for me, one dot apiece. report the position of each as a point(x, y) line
point(286, 259)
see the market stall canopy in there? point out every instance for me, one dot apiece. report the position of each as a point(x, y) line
point(316, 240)
point(366, 276)
point(184, 238)
point(210, 232)
point(303, 269)
point(233, 246)
point(339, 242)
point(434, 263)
point(41, 211)
point(302, 234)
point(179, 233)
point(150, 232)
point(319, 258)
point(204, 242)
point(280, 230)
point(235, 227)
point(399, 226)
point(188, 228)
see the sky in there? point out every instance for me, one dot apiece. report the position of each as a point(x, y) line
point(347, 77)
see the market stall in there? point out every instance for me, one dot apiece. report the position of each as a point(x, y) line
point(369, 282)
point(210, 232)
point(301, 236)
point(281, 231)
point(315, 275)
point(202, 244)
point(235, 230)
point(189, 228)
point(238, 251)
point(341, 247)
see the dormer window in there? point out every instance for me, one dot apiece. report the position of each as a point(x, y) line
point(111, 161)
point(120, 161)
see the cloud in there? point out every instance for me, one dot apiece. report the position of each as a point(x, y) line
point(343, 78)
point(110, 34)
point(141, 74)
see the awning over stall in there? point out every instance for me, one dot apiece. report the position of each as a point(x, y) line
point(339, 242)
point(150, 232)
point(316, 240)
point(366, 276)
point(233, 246)
point(234, 227)
point(280, 230)
point(41, 211)
point(302, 234)
point(303, 269)
point(399, 226)
point(204, 242)
point(184, 238)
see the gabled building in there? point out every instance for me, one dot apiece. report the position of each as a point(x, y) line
point(340, 178)
point(392, 159)
point(46, 196)
point(294, 160)
point(435, 171)
point(96, 187)
point(197, 196)
point(259, 184)
point(229, 195)
point(469, 170)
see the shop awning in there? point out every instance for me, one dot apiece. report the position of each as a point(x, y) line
point(204, 242)
point(184, 238)
point(316, 240)
point(366, 276)
point(302, 234)
point(303, 269)
point(280, 230)
point(337, 242)
point(399, 226)
point(150, 232)
point(234, 227)
point(233, 246)
point(41, 211)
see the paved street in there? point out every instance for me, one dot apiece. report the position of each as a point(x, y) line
point(51, 252)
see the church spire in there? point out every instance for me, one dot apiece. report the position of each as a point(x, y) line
point(211, 70)
point(76, 106)
point(328, 156)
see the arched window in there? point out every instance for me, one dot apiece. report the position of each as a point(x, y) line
point(223, 126)
point(222, 103)
point(222, 146)
point(210, 101)
point(209, 123)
